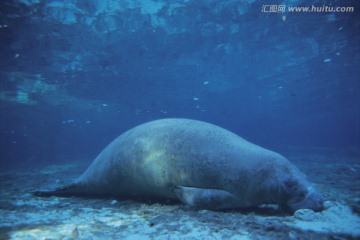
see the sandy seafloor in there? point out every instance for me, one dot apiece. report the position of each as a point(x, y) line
point(23, 216)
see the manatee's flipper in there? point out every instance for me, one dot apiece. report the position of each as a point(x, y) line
point(212, 199)
point(67, 191)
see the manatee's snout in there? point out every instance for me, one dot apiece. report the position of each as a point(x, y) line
point(317, 201)
point(313, 200)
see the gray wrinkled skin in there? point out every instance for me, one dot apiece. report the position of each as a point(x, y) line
point(201, 164)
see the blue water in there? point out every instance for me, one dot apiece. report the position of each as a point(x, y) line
point(76, 74)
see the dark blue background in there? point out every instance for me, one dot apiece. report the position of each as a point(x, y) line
point(75, 75)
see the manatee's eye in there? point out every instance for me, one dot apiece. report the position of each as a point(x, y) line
point(291, 184)
point(295, 189)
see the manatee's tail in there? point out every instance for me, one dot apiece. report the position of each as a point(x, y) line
point(66, 191)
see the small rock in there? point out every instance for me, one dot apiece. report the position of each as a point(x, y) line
point(305, 215)
point(75, 233)
point(204, 211)
point(329, 204)
point(293, 236)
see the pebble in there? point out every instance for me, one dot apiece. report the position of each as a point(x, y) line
point(329, 204)
point(305, 215)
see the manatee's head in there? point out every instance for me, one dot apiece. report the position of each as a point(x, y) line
point(297, 194)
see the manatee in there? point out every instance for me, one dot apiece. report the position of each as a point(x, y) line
point(202, 165)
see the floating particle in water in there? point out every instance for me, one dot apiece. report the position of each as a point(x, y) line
point(16, 55)
point(206, 82)
point(327, 60)
point(280, 87)
point(87, 121)
point(163, 111)
point(353, 169)
point(68, 121)
point(331, 17)
point(196, 99)
point(113, 202)
point(104, 105)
